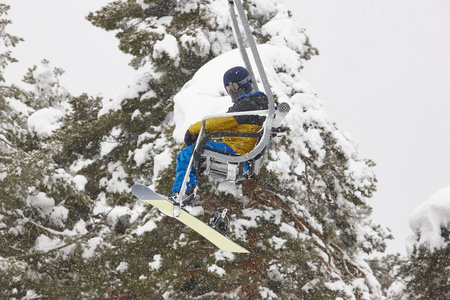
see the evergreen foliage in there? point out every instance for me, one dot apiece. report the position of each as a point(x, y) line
point(424, 274)
point(71, 229)
point(6, 40)
point(428, 273)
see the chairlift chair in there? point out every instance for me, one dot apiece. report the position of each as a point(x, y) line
point(231, 166)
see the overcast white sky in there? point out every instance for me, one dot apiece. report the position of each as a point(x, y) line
point(58, 31)
point(383, 75)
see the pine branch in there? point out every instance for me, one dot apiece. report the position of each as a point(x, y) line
point(324, 246)
point(49, 230)
point(36, 254)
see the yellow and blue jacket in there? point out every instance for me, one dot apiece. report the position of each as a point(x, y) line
point(247, 123)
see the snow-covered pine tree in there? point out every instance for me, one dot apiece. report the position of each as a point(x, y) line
point(425, 273)
point(6, 40)
point(305, 219)
point(39, 200)
point(307, 223)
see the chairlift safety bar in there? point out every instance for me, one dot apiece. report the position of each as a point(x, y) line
point(241, 158)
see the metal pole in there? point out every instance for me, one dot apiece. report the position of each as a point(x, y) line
point(255, 53)
point(259, 65)
point(176, 208)
point(240, 41)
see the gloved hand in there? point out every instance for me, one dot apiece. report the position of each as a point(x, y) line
point(190, 139)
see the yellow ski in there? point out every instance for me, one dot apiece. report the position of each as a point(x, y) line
point(221, 241)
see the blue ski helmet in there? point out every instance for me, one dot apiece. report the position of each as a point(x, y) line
point(237, 82)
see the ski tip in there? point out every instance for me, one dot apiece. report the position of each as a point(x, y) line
point(245, 251)
point(241, 249)
point(235, 250)
point(138, 189)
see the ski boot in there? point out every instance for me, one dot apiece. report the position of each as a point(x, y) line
point(219, 222)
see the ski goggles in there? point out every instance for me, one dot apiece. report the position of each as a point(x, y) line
point(233, 87)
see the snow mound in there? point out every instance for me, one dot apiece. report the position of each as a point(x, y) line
point(44, 121)
point(428, 220)
point(205, 90)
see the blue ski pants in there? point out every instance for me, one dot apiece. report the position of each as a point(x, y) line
point(183, 159)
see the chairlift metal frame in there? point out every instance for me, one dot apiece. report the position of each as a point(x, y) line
point(233, 164)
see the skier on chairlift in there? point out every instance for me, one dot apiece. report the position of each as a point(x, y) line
point(238, 84)
point(239, 154)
